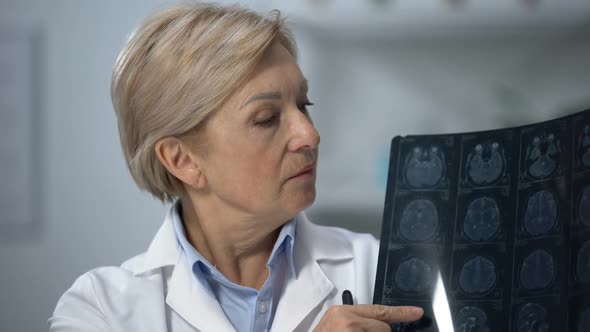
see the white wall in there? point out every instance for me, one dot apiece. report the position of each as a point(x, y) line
point(90, 212)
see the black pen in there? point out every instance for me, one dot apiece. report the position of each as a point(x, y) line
point(347, 297)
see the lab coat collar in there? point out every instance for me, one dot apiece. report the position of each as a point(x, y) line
point(310, 287)
point(186, 296)
point(164, 249)
point(321, 242)
point(193, 302)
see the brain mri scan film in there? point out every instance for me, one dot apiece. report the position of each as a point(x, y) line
point(537, 270)
point(414, 275)
point(482, 220)
point(471, 319)
point(478, 275)
point(486, 163)
point(584, 207)
point(424, 167)
point(541, 213)
point(419, 221)
point(543, 156)
point(584, 321)
point(583, 263)
point(500, 219)
point(584, 147)
point(532, 317)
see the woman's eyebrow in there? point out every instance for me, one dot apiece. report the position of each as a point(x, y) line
point(263, 95)
point(273, 94)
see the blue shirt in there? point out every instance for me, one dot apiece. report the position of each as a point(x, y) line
point(246, 308)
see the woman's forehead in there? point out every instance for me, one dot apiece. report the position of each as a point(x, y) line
point(275, 76)
point(272, 81)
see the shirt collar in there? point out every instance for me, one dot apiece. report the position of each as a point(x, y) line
point(284, 243)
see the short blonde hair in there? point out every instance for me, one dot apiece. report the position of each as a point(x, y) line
point(178, 67)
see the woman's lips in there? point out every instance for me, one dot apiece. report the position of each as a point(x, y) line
point(306, 174)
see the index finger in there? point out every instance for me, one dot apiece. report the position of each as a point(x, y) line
point(388, 314)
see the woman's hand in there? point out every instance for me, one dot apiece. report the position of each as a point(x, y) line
point(366, 317)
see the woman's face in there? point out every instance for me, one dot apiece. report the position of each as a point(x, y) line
point(261, 147)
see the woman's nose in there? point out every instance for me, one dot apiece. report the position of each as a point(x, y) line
point(304, 136)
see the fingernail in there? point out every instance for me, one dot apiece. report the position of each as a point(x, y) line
point(417, 311)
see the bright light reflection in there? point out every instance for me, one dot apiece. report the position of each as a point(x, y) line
point(440, 307)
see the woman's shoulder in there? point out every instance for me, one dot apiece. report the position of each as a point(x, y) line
point(101, 293)
point(84, 306)
point(110, 280)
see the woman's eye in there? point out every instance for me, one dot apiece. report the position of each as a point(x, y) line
point(303, 107)
point(270, 121)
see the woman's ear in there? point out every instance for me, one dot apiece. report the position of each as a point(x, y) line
point(177, 159)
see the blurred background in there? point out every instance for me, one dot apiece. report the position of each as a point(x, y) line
point(377, 68)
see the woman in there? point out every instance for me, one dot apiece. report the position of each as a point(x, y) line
point(212, 113)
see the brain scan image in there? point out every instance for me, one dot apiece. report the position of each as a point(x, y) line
point(424, 167)
point(583, 263)
point(485, 163)
point(584, 321)
point(584, 146)
point(482, 220)
point(537, 270)
point(478, 275)
point(541, 213)
point(532, 317)
point(414, 275)
point(542, 156)
point(419, 221)
point(584, 207)
point(471, 319)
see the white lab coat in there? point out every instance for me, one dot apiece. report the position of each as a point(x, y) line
point(157, 291)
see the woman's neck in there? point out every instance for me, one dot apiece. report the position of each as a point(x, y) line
point(236, 245)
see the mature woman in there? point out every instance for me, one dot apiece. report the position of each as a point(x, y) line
point(212, 112)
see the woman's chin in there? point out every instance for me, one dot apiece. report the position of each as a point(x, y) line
point(301, 200)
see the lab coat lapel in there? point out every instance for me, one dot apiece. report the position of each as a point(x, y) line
point(193, 302)
point(163, 251)
point(310, 287)
point(186, 296)
point(301, 296)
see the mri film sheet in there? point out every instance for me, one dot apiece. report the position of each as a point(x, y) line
point(490, 231)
